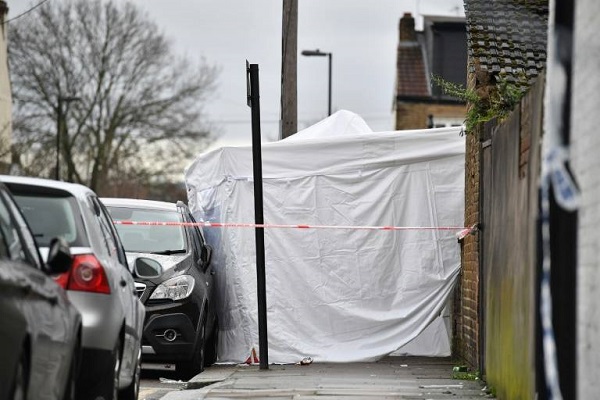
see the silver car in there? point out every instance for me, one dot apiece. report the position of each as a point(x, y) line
point(100, 283)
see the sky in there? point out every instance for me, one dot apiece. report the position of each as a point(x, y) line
point(362, 36)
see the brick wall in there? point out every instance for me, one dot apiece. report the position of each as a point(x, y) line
point(466, 344)
point(466, 340)
point(414, 115)
point(495, 318)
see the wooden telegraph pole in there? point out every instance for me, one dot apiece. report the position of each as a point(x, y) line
point(289, 55)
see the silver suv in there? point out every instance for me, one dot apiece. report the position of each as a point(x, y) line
point(100, 283)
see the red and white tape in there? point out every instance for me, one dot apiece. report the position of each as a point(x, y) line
point(461, 230)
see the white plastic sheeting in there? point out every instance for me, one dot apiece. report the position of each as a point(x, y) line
point(336, 295)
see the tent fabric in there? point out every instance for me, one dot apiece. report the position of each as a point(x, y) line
point(336, 295)
point(342, 123)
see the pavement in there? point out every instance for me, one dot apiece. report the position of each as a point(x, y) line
point(389, 378)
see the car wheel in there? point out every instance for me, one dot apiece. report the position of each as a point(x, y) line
point(131, 392)
point(211, 346)
point(187, 369)
point(116, 371)
point(108, 387)
point(19, 388)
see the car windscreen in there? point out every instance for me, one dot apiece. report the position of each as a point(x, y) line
point(51, 216)
point(149, 238)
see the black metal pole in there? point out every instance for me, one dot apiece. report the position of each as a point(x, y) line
point(329, 103)
point(563, 226)
point(254, 98)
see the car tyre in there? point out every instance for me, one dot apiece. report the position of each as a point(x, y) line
point(131, 392)
point(210, 353)
point(108, 387)
point(19, 388)
point(187, 369)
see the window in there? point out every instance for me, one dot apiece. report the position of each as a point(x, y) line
point(443, 122)
point(105, 226)
point(149, 239)
point(51, 216)
point(29, 243)
point(113, 234)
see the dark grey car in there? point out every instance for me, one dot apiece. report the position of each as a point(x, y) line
point(181, 324)
point(40, 332)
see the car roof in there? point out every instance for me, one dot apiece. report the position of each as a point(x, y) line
point(139, 203)
point(75, 189)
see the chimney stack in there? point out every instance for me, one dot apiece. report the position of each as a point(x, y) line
point(407, 28)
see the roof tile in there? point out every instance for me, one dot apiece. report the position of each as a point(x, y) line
point(412, 78)
point(519, 35)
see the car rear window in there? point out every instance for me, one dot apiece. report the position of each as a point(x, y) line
point(51, 216)
point(147, 238)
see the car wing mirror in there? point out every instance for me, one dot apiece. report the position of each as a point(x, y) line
point(147, 268)
point(205, 257)
point(209, 252)
point(59, 256)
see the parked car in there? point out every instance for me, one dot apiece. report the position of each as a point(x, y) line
point(99, 283)
point(40, 332)
point(181, 324)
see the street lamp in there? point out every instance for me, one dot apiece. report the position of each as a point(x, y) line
point(319, 53)
point(60, 127)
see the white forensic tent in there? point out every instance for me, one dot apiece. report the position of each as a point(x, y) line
point(336, 295)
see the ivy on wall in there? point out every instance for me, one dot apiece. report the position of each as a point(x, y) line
point(496, 101)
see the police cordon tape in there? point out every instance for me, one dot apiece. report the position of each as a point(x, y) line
point(461, 231)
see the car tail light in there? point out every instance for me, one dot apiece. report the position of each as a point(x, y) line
point(86, 275)
point(62, 279)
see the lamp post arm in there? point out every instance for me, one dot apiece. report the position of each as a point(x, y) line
point(319, 53)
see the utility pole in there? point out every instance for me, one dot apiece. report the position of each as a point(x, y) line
point(60, 127)
point(289, 55)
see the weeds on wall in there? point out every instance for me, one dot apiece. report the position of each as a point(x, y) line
point(498, 102)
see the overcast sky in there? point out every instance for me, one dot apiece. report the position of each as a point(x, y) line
point(362, 35)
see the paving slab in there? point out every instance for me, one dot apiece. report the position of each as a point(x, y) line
point(389, 378)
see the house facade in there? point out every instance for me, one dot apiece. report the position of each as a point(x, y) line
point(440, 50)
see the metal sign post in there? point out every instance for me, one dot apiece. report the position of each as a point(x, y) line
point(254, 104)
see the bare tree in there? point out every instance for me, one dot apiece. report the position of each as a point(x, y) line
point(100, 80)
